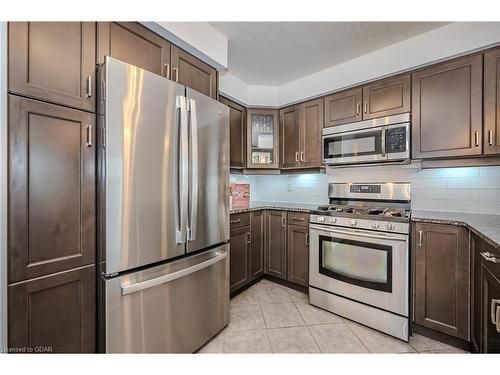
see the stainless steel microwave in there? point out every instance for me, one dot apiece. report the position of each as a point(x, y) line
point(384, 139)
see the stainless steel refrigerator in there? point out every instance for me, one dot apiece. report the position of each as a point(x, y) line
point(163, 211)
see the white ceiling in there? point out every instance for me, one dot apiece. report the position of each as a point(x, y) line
point(273, 53)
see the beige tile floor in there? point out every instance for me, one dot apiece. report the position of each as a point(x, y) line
point(270, 318)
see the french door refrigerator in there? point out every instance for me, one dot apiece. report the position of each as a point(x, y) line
point(163, 212)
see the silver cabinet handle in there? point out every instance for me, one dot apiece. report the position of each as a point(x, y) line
point(494, 311)
point(137, 287)
point(167, 70)
point(490, 137)
point(302, 159)
point(193, 161)
point(476, 138)
point(366, 107)
point(249, 238)
point(307, 239)
point(382, 141)
point(490, 257)
point(283, 224)
point(358, 108)
point(298, 218)
point(419, 238)
point(235, 221)
point(176, 72)
point(89, 136)
point(89, 86)
point(182, 199)
point(297, 156)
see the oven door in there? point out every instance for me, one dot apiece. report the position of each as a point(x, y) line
point(365, 266)
point(360, 146)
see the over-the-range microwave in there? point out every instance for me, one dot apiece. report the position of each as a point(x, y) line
point(384, 139)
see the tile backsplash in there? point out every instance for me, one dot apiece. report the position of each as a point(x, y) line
point(446, 189)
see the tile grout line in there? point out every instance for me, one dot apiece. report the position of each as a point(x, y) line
point(359, 338)
point(307, 327)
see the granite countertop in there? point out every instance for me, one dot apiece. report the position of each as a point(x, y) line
point(486, 226)
point(281, 206)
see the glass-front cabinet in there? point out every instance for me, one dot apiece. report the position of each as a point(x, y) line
point(262, 138)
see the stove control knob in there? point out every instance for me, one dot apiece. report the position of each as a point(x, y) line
point(321, 219)
point(390, 226)
point(375, 225)
point(333, 220)
point(354, 222)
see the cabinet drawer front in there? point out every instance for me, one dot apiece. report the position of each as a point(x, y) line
point(239, 220)
point(51, 189)
point(52, 61)
point(56, 311)
point(298, 218)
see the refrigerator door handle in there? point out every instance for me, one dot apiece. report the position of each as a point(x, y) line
point(183, 176)
point(193, 185)
point(137, 287)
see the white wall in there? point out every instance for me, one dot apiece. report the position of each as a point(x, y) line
point(447, 189)
point(438, 44)
point(3, 184)
point(198, 38)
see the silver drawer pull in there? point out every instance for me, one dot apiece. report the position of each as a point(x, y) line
point(490, 257)
point(89, 87)
point(235, 221)
point(494, 311)
point(498, 319)
point(89, 136)
point(419, 238)
point(298, 218)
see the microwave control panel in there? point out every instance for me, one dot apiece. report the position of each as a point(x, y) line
point(395, 140)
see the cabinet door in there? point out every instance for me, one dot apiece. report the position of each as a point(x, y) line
point(51, 188)
point(56, 312)
point(257, 244)
point(490, 311)
point(298, 254)
point(441, 261)
point(262, 139)
point(239, 265)
point(477, 246)
point(134, 44)
point(276, 244)
point(53, 61)
point(289, 137)
point(447, 109)
point(386, 97)
point(492, 102)
point(237, 134)
point(343, 107)
point(194, 73)
point(311, 126)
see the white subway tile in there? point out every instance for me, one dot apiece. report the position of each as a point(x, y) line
point(430, 183)
point(485, 207)
point(449, 172)
point(448, 194)
point(489, 171)
point(429, 204)
point(474, 183)
point(489, 195)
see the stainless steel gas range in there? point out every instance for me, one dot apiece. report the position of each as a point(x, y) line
point(359, 255)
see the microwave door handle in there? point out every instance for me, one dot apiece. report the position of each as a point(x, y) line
point(193, 147)
point(360, 234)
point(182, 183)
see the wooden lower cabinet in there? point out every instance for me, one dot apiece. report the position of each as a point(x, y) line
point(441, 266)
point(298, 254)
point(54, 313)
point(276, 264)
point(239, 262)
point(257, 245)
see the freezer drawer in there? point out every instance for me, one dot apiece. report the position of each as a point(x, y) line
point(173, 308)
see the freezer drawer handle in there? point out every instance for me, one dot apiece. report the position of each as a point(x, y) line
point(137, 287)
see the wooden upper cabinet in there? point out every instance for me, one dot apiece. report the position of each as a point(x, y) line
point(51, 188)
point(194, 73)
point(441, 278)
point(237, 134)
point(492, 102)
point(387, 97)
point(447, 109)
point(262, 139)
point(134, 44)
point(311, 120)
point(343, 107)
point(56, 311)
point(54, 62)
point(289, 137)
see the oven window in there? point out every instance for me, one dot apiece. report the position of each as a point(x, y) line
point(355, 262)
point(348, 145)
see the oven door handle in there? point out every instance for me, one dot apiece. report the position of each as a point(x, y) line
point(359, 234)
